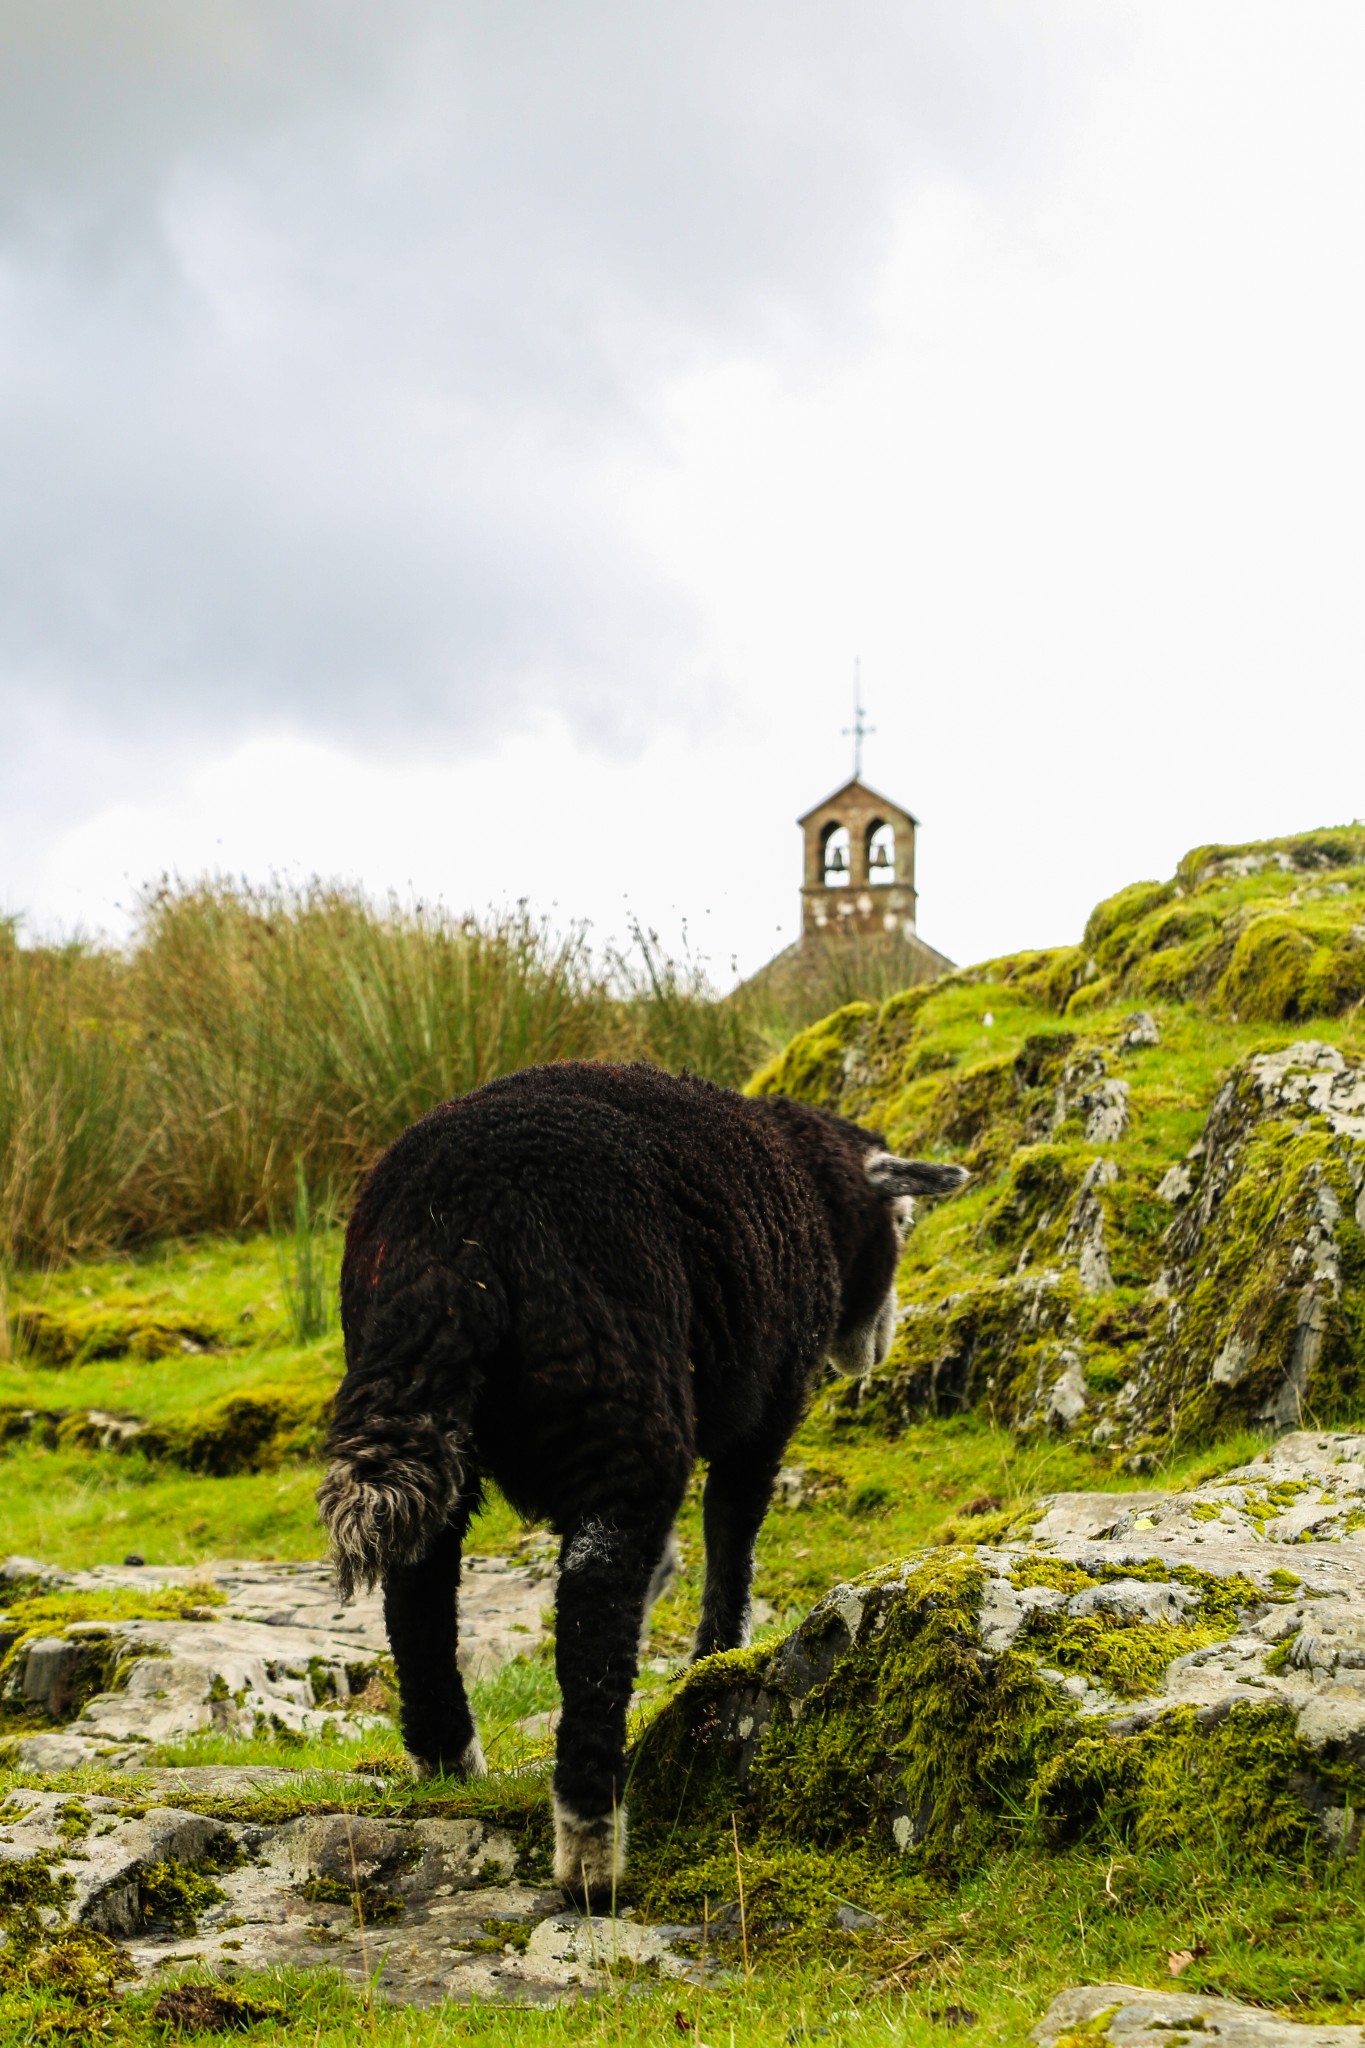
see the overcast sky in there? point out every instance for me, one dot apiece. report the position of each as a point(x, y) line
point(463, 448)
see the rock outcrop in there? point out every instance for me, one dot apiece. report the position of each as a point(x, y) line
point(274, 1650)
point(1152, 1666)
point(1165, 1238)
point(417, 1910)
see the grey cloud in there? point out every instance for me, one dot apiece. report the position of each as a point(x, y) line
point(324, 327)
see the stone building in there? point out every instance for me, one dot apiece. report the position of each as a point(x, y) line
point(860, 875)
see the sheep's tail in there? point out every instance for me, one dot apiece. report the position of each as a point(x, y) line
point(400, 1423)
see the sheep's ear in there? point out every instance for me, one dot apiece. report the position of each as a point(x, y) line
point(893, 1176)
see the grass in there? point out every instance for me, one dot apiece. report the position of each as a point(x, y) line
point(75, 1506)
point(308, 1279)
point(984, 1959)
point(996, 1946)
point(249, 1036)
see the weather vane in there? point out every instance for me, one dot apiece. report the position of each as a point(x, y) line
point(858, 731)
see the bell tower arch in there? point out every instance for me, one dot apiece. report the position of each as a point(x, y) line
point(859, 865)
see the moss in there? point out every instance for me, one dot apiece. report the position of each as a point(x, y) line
point(1057, 1572)
point(1223, 1596)
point(1039, 1185)
point(93, 1669)
point(1111, 922)
point(41, 1609)
point(1268, 972)
point(1053, 978)
point(914, 1740)
point(1091, 996)
point(73, 1821)
point(370, 1906)
point(1129, 1658)
point(908, 1749)
point(982, 1346)
point(75, 1334)
point(243, 1433)
point(322, 1681)
point(99, 1664)
point(1282, 1656)
point(1240, 1789)
point(1337, 847)
point(240, 1433)
point(814, 1067)
point(173, 1895)
point(1269, 1505)
point(30, 1887)
point(77, 1964)
point(1006, 1524)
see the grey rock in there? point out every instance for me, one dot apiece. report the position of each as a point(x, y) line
point(1123, 2013)
point(1084, 1239)
point(257, 1659)
point(297, 1895)
point(1088, 1514)
point(1138, 1030)
point(1088, 1091)
point(1282, 1528)
point(789, 1487)
point(1067, 1398)
point(1283, 1365)
point(51, 1667)
point(105, 1863)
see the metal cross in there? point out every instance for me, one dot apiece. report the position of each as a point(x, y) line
point(858, 731)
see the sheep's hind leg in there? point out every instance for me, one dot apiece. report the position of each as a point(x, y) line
point(734, 1503)
point(421, 1613)
point(606, 1569)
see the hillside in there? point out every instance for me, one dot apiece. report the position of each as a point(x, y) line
point(1166, 1124)
point(998, 1738)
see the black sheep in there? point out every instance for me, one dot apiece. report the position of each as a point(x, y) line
point(579, 1280)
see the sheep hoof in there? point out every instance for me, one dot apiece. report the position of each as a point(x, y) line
point(590, 1855)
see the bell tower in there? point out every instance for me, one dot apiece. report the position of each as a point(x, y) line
point(859, 866)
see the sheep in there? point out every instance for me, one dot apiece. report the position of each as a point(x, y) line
point(578, 1280)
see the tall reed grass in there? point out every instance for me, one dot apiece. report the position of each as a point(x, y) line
point(306, 1281)
point(247, 1036)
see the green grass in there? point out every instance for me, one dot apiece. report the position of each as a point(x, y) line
point(998, 1949)
point(248, 1036)
point(867, 1497)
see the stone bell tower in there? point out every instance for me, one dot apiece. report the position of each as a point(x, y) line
point(860, 865)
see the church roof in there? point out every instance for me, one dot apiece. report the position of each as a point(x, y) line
point(845, 789)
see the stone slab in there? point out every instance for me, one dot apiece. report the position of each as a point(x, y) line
point(257, 1659)
point(1124, 2014)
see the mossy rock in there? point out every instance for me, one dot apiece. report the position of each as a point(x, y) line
point(78, 1335)
point(244, 1433)
point(1127, 1687)
point(1164, 1238)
